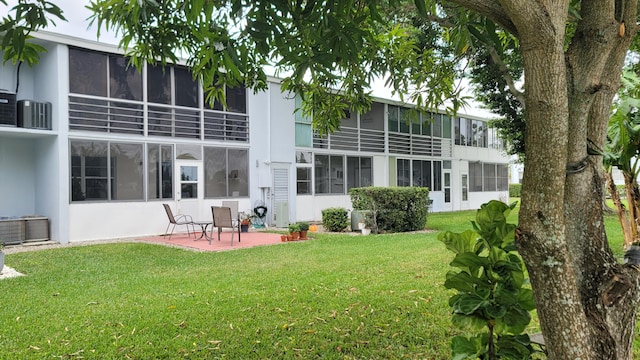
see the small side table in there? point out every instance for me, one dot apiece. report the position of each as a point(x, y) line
point(203, 225)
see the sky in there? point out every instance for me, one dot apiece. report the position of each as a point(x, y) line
point(78, 25)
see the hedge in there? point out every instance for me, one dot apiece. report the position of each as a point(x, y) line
point(396, 209)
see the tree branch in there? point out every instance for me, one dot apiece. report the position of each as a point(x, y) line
point(492, 10)
point(504, 71)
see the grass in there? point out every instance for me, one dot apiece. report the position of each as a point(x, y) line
point(335, 297)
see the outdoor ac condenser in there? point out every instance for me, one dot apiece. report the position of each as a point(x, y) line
point(34, 115)
point(8, 108)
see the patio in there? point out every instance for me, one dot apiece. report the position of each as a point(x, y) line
point(247, 239)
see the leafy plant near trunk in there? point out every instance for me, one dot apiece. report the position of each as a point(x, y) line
point(489, 277)
point(622, 150)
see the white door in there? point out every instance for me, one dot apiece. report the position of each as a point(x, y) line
point(280, 199)
point(446, 187)
point(190, 189)
point(464, 189)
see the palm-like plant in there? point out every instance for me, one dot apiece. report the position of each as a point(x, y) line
point(622, 150)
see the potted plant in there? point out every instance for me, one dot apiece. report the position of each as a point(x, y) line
point(294, 230)
point(368, 223)
point(245, 221)
point(304, 227)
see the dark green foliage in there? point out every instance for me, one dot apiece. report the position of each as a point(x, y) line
point(395, 209)
point(489, 277)
point(515, 190)
point(304, 226)
point(490, 88)
point(335, 219)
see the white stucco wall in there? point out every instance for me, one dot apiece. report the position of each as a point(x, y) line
point(17, 177)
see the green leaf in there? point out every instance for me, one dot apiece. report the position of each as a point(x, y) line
point(496, 311)
point(516, 319)
point(462, 281)
point(459, 243)
point(469, 260)
point(526, 300)
point(468, 303)
point(469, 322)
point(463, 348)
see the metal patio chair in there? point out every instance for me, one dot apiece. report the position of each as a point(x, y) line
point(179, 220)
point(222, 218)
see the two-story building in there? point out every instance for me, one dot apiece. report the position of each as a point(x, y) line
point(97, 146)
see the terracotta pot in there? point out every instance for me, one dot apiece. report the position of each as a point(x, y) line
point(303, 234)
point(295, 235)
point(289, 237)
point(283, 238)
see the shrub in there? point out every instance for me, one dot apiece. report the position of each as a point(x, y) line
point(395, 209)
point(335, 219)
point(515, 190)
point(491, 301)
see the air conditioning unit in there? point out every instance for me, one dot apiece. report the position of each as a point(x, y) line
point(8, 108)
point(34, 115)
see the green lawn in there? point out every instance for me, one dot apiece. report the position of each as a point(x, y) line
point(335, 297)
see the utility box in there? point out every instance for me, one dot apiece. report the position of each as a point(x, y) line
point(8, 109)
point(34, 115)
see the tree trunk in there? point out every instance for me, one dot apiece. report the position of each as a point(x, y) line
point(585, 299)
point(621, 211)
point(633, 202)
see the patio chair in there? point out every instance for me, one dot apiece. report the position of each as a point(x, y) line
point(222, 219)
point(233, 205)
point(179, 220)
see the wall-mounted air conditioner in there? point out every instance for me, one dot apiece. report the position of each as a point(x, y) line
point(8, 108)
point(34, 115)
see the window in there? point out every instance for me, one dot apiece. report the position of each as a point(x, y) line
point(303, 173)
point(502, 177)
point(159, 171)
point(437, 176)
point(127, 171)
point(407, 116)
point(125, 82)
point(303, 181)
point(304, 131)
point(226, 172)
point(102, 170)
point(188, 182)
point(359, 172)
point(186, 88)
point(87, 72)
point(237, 99)
point(329, 174)
point(374, 118)
point(421, 173)
point(393, 118)
point(488, 177)
point(403, 171)
point(159, 84)
point(475, 173)
point(446, 126)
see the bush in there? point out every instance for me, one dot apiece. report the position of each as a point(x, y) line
point(335, 219)
point(515, 190)
point(395, 209)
